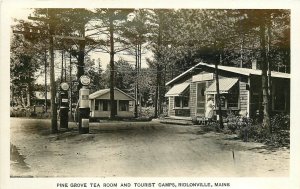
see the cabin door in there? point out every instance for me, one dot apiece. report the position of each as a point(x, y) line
point(200, 105)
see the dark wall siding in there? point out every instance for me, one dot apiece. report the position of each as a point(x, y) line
point(243, 96)
point(171, 106)
point(193, 93)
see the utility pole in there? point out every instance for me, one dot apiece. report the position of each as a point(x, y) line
point(50, 35)
point(50, 15)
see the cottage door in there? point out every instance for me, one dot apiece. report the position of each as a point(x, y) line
point(200, 106)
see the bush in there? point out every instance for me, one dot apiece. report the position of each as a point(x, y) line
point(254, 133)
point(280, 135)
point(280, 122)
point(147, 112)
point(237, 123)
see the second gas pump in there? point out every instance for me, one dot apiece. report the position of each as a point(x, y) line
point(84, 108)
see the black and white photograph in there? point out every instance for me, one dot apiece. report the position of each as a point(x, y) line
point(160, 92)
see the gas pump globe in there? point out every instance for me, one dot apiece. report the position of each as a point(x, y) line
point(85, 80)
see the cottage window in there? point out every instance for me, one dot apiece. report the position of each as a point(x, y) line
point(104, 105)
point(123, 105)
point(97, 104)
point(181, 101)
point(233, 100)
point(229, 100)
point(185, 101)
point(223, 101)
point(177, 101)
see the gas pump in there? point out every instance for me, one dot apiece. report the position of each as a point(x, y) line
point(64, 105)
point(84, 108)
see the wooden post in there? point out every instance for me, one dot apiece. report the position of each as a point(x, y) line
point(218, 94)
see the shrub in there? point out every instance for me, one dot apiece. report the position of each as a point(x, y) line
point(280, 122)
point(280, 135)
point(213, 126)
point(236, 123)
point(253, 133)
point(147, 112)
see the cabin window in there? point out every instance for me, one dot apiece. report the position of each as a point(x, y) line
point(229, 100)
point(123, 105)
point(185, 101)
point(181, 101)
point(97, 104)
point(233, 100)
point(104, 105)
point(177, 101)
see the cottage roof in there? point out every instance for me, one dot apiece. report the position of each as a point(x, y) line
point(103, 92)
point(242, 71)
point(177, 90)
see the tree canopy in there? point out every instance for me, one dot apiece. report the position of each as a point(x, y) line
point(177, 40)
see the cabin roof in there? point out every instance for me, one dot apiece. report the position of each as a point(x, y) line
point(241, 71)
point(102, 92)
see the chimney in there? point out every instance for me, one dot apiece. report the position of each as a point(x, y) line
point(254, 64)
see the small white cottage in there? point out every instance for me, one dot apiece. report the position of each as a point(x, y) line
point(100, 104)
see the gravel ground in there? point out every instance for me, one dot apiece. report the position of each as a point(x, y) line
point(138, 149)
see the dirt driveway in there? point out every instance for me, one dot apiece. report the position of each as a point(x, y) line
point(140, 149)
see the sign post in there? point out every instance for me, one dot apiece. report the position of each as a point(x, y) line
point(84, 108)
point(64, 105)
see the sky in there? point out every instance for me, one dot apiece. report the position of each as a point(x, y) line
point(23, 13)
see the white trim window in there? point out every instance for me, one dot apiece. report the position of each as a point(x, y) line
point(181, 102)
point(123, 105)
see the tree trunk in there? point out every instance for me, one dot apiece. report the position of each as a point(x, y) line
point(158, 70)
point(45, 59)
point(266, 116)
point(136, 83)
point(112, 69)
point(218, 94)
point(52, 84)
point(29, 91)
point(22, 99)
point(139, 72)
point(269, 67)
point(156, 92)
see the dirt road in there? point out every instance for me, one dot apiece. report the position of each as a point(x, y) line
point(143, 149)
